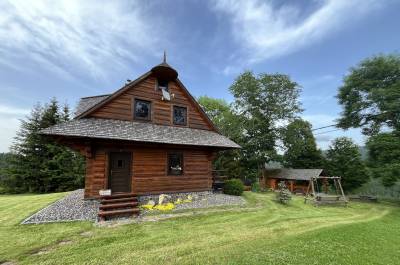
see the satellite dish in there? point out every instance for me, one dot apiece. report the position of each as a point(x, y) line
point(165, 95)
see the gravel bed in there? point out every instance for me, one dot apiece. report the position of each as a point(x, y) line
point(70, 208)
point(213, 199)
point(207, 201)
point(74, 208)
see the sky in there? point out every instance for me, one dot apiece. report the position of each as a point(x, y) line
point(71, 48)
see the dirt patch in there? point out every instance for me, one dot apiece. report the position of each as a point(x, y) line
point(65, 242)
point(48, 249)
point(8, 263)
point(41, 251)
point(86, 233)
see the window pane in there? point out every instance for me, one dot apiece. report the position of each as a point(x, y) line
point(175, 164)
point(142, 109)
point(180, 115)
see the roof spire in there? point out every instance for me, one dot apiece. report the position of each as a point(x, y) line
point(165, 57)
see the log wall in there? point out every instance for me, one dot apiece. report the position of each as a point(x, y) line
point(149, 171)
point(121, 108)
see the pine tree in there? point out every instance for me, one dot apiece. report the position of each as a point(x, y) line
point(40, 164)
point(284, 195)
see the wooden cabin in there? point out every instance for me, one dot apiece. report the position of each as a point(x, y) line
point(297, 180)
point(148, 137)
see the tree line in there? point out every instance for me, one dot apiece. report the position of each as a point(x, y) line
point(265, 117)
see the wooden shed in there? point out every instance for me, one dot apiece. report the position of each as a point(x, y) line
point(297, 180)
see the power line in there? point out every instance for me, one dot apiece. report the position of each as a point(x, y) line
point(328, 131)
point(369, 116)
point(328, 126)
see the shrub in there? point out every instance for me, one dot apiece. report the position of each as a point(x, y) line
point(233, 187)
point(283, 195)
point(255, 187)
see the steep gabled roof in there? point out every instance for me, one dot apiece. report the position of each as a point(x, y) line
point(88, 102)
point(139, 132)
point(112, 96)
point(128, 86)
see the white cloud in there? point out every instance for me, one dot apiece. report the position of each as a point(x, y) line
point(10, 110)
point(264, 30)
point(90, 37)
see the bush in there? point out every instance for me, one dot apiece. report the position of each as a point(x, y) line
point(233, 187)
point(283, 195)
point(255, 187)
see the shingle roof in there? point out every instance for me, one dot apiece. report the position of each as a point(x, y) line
point(88, 102)
point(295, 174)
point(139, 132)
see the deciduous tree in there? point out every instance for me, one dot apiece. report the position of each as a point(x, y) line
point(301, 148)
point(370, 95)
point(344, 160)
point(384, 157)
point(229, 124)
point(263, 102)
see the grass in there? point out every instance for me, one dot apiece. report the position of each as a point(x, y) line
point(264, 232)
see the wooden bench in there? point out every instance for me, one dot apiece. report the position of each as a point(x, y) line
point(330, 199)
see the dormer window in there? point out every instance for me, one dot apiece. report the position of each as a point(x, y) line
point(142, 110)
point(180, 115)
point(162, 84)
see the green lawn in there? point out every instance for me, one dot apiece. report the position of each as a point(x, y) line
point(263, 232)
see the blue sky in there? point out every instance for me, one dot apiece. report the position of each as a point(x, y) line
point(70, 49)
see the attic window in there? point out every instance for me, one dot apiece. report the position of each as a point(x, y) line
point(175, 164)
point(180, 115)
point(162, 84)
point(142, 110)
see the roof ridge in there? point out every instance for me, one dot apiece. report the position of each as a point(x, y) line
point(95, 96)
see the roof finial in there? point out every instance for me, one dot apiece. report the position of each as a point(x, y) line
point(165, 57)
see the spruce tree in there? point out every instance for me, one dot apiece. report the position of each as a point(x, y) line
point(40, 164)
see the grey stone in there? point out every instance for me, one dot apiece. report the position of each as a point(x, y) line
point(72, 207)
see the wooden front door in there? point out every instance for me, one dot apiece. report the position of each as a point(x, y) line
point(120, 172)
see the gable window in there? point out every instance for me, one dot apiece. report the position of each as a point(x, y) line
point(142, 109)
point(180, 115)
point(175, 164)
point(162, 84)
